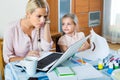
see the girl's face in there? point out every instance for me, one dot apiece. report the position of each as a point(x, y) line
point(68, 25)
point(38, 17)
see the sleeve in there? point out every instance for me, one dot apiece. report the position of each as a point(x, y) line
point(62, 41)
point(81, 35)
point(45, 45)
point(8, 50)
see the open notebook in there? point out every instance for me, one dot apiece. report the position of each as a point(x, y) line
point(52, 60)
point(56, 59)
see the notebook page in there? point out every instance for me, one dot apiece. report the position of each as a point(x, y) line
point(87, 72)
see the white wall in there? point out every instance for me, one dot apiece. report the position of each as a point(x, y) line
point(106, 16)
point(10, 10)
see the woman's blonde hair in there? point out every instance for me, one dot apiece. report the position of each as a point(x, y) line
point(34, 4)
point(74, 18)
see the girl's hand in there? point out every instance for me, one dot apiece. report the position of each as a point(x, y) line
point(33, 53)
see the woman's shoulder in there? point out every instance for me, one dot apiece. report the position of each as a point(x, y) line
point(12, 25)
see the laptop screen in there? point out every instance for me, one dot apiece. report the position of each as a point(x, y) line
point(69, 52)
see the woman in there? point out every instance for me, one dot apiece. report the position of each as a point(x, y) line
point(71, 35)
point(29, 35)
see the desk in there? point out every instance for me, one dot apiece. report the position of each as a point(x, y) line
point(81, 73)
point(14, 73)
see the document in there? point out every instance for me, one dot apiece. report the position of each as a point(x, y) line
point(99, 48)
point(87, 71)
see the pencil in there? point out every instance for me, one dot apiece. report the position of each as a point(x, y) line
point(82, 61)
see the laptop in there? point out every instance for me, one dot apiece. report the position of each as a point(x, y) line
point(58, 58)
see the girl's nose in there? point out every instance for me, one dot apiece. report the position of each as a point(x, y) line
point(66, 26)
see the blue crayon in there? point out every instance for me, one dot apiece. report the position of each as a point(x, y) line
point(110, 68)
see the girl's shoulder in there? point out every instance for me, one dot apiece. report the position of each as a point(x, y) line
point(62, 37)
point(81, 33)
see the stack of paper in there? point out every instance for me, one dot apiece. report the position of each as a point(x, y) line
point(64, 71)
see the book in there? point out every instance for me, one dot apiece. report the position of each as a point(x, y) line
point(64, 71)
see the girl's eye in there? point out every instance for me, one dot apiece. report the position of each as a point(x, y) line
point(68, 24)
point(62, 23)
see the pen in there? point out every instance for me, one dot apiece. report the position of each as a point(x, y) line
point(75, 61)
point(81, 60)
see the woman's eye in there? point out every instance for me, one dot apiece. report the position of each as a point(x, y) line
point(45, 17)
point(39, 16)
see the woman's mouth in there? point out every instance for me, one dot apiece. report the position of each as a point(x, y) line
point(41, 24)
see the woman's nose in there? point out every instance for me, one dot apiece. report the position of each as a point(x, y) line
point(42, 19)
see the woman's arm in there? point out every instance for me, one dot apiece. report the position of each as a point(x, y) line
point(46, 40)
point(31, 53)
point(47, 34)
point(12, 59)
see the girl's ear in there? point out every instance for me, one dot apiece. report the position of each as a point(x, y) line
point(77, 28)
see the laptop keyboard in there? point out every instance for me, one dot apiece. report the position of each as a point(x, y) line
point(47, 60)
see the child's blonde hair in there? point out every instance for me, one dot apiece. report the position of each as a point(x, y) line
point(74, 18)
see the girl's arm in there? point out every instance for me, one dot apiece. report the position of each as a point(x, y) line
point(85, 46)
point(63, 48)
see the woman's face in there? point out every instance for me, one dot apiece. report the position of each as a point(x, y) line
point(68, 25)
point(38, 17)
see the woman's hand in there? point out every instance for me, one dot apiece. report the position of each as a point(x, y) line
point(47, 34)
point(33, 53)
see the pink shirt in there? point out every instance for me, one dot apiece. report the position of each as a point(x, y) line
point(17, 43)
point(68, 40)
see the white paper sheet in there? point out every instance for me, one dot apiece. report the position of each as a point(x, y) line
point(99, 48)
point(87, 72)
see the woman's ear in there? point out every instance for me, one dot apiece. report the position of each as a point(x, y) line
point(28, 15)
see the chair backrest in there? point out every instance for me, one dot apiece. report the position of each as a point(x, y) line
point(55, 38)
point(57, 46)
point(2, 63)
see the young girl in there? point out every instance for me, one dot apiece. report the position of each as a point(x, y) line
point(70, 27)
